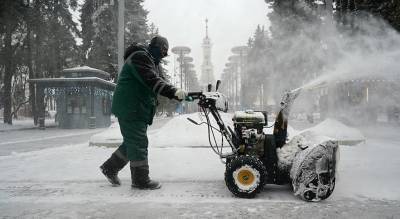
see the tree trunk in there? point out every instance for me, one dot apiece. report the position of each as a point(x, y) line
point(32, 101)
point(38, 74)
point(8, 76)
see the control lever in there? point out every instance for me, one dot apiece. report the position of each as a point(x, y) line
point(209, 87)
point(192, 121)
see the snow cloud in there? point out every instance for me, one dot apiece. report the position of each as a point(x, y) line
point(362, 51)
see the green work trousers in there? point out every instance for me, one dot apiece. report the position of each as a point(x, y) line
point(135, 142)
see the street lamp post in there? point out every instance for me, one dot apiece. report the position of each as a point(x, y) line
point(228, 81)
point(181, 51)
point(231, 89)
point(241, 52)
point(187, 65)
point(188, 68)
point(234, 61)
point(229, 72)
point(187, 62)
point(121, 28)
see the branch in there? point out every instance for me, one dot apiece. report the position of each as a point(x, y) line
point(19, 106)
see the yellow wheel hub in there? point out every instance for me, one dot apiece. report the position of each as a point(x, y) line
point(246, 177)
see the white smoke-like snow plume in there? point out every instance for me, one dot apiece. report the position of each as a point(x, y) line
point(370, 49)
point(319, 51)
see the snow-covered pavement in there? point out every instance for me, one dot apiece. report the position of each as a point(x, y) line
point(24, 124)
point(65, 182)
point(25, 140)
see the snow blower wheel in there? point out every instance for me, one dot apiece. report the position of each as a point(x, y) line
point(245, 176)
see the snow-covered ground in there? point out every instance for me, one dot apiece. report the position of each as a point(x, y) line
point(23, 124)
point(65, 182)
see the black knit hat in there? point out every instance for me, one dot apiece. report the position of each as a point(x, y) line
point(160, 42)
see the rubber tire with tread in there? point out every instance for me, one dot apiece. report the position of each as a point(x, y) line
point(238, 162)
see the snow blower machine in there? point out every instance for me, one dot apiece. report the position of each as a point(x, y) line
point(256, 158)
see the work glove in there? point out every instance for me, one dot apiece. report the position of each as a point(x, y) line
point(180, 94)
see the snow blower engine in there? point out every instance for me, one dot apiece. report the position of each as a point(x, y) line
point(252, 160)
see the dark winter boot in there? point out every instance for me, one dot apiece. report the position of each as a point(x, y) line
point(112, 166)
point(141, 179)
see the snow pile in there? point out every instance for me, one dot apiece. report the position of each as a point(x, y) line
point(291, 132)
point(180, 132)
point(81, 68)
point(334, 130)
point(110, 138)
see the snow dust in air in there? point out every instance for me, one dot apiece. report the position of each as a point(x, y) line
point(352, 64)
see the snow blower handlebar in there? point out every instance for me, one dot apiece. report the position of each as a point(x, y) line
point(208, 104)
point(195, 95)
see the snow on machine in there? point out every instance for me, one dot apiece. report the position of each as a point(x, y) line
point(257, 158)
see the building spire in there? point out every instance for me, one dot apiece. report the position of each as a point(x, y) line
point(207, 72)
point(206, 28)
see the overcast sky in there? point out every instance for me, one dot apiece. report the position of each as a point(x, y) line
point(230, 23)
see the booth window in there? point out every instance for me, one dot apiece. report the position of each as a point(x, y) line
point(76, 105)
point(106, 103)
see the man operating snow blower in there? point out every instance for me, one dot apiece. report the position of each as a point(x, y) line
point(134, 104)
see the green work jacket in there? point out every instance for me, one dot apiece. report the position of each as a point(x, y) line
point(139, 83)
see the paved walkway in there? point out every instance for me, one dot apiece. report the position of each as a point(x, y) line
point(176, 199)
point(25, 124)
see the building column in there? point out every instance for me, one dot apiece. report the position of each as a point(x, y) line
point(92, 118)
point(41, 111)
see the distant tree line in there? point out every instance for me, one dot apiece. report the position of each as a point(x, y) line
point(38, 39)
point(387, 9)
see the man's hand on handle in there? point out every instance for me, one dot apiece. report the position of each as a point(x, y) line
point(180, 94)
